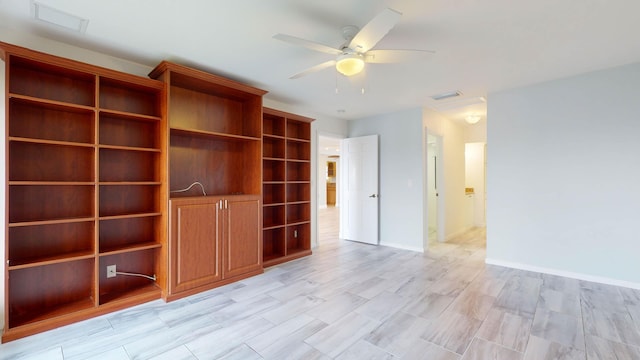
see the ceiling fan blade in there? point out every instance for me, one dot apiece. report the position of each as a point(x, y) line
point(307, 43)
point(313, 69)
point(396, 56)
point(375, 30)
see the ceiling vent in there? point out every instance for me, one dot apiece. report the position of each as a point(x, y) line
point(459, 103)
point(60, 18)
point(446, 95)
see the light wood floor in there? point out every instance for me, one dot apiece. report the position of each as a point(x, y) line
point(356, 301)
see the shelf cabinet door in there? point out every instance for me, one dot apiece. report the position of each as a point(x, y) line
point(195, 243)
point(243, 240)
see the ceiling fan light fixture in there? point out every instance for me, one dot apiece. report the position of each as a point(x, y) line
point(349, 64)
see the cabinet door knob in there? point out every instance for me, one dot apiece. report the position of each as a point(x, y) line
point(373, 196)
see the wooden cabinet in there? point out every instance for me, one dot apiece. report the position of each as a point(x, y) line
point(194, 243)
point(215, 148)
point(242, 243)
point(331, 193)
point(214, 241)
point(331, 169)
point(286, 186)
point(85, 189)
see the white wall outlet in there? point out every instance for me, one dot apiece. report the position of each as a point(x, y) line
point(111, 271)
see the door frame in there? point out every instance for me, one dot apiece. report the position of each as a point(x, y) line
point(440, 180)
point(315, 191)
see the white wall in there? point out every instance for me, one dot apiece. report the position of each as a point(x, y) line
point(563, 181)
point(322, 180)
point(401, 179)
point(453, 135)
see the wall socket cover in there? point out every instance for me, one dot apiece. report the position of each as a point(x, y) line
point(111, 271)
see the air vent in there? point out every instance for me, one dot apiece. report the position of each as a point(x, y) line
point(459, 103)
point(446, 95)
point(56, 17)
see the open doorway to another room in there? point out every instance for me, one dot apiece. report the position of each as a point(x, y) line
point(475, 178)
point(328, 189)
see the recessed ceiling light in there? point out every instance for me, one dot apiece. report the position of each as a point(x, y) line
point(446, 95)
point(56, 17)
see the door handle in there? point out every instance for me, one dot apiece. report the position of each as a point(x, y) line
point(373, 196)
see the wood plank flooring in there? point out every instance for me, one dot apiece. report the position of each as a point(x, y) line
point(355, 301)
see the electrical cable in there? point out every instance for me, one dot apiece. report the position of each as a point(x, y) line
point(140, 275)
point(189, 188)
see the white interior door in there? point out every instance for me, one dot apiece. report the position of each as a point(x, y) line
point(359, 203)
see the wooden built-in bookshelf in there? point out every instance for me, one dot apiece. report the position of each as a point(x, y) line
point(286, 186)
point(85, 189)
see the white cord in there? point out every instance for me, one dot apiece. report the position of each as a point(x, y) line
point(140, 275)
point(189, 188)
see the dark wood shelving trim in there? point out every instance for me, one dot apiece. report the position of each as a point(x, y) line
point(51, 142)
point(299, 182)
point(298, 160)
point(273, 159)
point(273, 257)
point(212, 135)
point(151, 291)
point(130, 115)
point(273, 204)
point(273, 136)
point(50, 183)
point(57, 104)
point(298, 140)
point(131, 248)
point(271, 227)
point(129, 216)
point(51, 222)
point(129, 183)
point(279, 259)
point(280, 182)
point(128, 148)
point(298, 202)
point(298, 222)
point(63, 258)
point(47, 314)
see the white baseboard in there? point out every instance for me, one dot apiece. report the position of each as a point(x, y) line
point(569, 274)
point(403, 247)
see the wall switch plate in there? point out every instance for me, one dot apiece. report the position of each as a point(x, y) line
point(111, 271)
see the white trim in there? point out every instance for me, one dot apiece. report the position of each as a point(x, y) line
point(569, 274)
point(403, 247)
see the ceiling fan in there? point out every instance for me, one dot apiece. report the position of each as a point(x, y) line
point(356, 51)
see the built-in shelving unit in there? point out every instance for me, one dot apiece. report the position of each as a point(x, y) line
point(85, 189)
point(286, 186)
point(215, 147)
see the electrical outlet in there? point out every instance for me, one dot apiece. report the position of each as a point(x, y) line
point(111, 271)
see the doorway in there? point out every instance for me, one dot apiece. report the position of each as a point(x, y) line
point(328, 189)
point(434, 189)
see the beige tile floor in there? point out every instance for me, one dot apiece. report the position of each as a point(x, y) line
point(355, 301)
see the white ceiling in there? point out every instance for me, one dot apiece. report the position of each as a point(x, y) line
point(481, 46)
